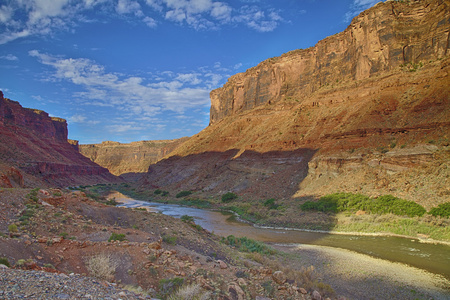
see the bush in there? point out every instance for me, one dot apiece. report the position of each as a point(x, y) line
point(157, 192)
point(187, 219)
point(169, 286)
point(183, 194)
point(247, 245)
point(12, 228)
point(228, 197)
point(270, 204)
point(339, 202)
point(116, 237)
point(170, 239)
point(193, 292)
point(4, 261)
point(101, 266)
point(442, 210)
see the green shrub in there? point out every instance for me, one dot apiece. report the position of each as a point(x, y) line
point(12, 228)
point(4, 261)
point(187, 219)
point(157, 192)
point(170, 239)
point(165, 193)
point(245, 244)
point(116, 237)
point(228, 197)
point(339, 202)
point(442, 210)
point(183, 194)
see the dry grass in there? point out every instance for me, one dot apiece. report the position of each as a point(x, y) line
point(190, 292)
point(102, 266)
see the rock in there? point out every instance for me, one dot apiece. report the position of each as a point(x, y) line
point(236, 293)
point(316, 296)
point(2, 266)
point(222, 264)
point(279, 277)
point(303, 291)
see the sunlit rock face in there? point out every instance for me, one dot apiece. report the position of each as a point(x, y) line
point(366, 110)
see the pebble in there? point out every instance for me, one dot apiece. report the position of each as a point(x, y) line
point(20, 284)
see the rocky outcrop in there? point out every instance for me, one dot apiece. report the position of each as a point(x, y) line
point(377, 41)
point(371, 105)
point(134, 157)
point(34, 151)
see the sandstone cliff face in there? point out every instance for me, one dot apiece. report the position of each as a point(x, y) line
point(34, 151)
point(134, 157)
point(371, 103)
point(378, 40)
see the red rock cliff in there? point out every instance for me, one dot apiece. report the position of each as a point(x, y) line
point(34, 151)
point(366, 110)
point(135, 157)
point(377, 41)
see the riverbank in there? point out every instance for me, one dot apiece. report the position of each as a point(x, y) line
point(376, 277)
point(287, 215)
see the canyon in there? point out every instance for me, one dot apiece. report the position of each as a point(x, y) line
point(135, 157)
point(366, 110)
point(35, 151)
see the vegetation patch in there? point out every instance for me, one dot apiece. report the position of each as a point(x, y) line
point(183, 194)
point(245, 244)
point(169, 286)
point(442, 210)
point(199, 203)
point(228, 197)
point(4, 261)
point(340, 202)
point(116, 237)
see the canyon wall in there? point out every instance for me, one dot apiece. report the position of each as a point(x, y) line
point(376, 41)
point(366, 110)
point(135, 157)
point(34, 151)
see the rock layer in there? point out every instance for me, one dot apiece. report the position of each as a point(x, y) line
point(35, 151)
point(134, 157)
point(377, 41)
point(364, 102)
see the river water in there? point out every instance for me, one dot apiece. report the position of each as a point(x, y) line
point(430, 257)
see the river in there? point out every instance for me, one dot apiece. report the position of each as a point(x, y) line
point(434, 258)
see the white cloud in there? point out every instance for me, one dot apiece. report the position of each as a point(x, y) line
point(5, 13)
point(137, 96)
point(358, 6)
point(9, 57)
point(77, 119)
point(22, 18)
point(128, 6)
point(150, 22)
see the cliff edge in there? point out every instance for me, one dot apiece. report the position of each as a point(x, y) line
point(35, 151)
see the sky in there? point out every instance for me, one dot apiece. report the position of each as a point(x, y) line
point(132, 70)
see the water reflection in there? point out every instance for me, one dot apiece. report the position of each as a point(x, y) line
point(433, 258)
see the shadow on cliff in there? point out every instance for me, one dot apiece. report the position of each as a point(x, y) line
point(254, 176)
point(274, 174)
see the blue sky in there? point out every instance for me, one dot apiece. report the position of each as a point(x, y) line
point(130, 70)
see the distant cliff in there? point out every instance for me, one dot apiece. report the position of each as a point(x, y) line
point(366, 110)
point(134, 157)
point(34, 151)
point(377, 41)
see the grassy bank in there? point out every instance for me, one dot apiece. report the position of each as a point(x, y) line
point(340, 212)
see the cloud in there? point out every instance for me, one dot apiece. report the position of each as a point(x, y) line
point(358, 6)
point(9, 57)
point(20, 19)
point(136, 96)
point(77, 119)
